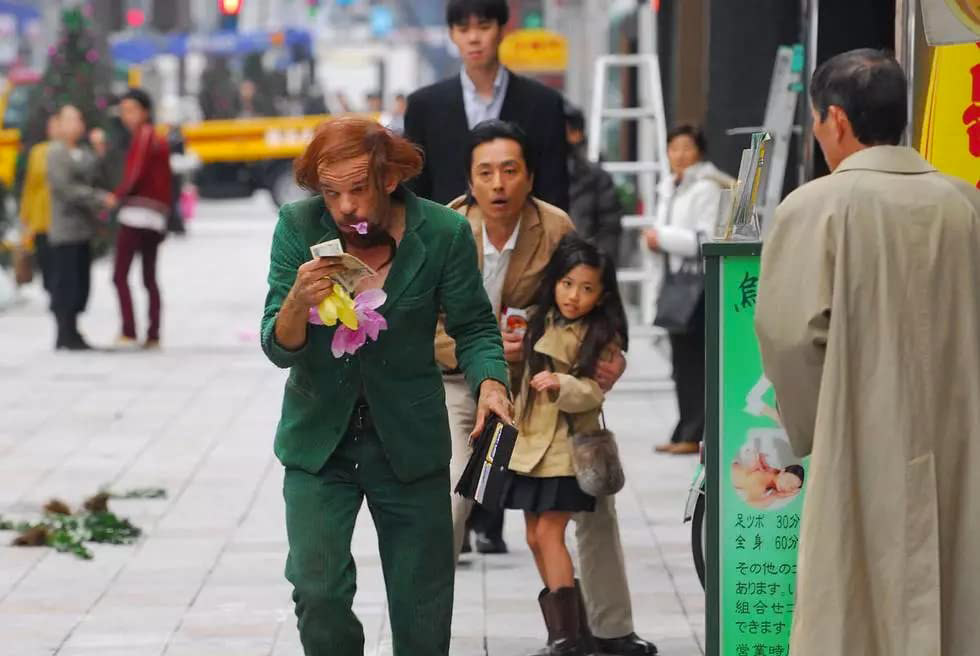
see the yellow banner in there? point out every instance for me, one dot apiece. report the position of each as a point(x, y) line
point(951, 127)
point(534, 50)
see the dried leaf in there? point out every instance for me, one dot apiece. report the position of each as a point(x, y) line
point(35, 536)
point(98, 503)
point(57, 507)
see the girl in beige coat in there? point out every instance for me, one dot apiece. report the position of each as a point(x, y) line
point(578, 321)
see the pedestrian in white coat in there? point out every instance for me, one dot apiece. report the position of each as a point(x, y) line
point(687, 213)
point(868, 321)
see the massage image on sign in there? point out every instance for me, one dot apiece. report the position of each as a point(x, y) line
point(766, 474)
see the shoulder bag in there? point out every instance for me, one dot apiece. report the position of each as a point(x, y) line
point(680, 294)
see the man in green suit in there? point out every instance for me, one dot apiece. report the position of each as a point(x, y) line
point(373, 424)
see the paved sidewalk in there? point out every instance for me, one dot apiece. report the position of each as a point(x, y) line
point(197, 419)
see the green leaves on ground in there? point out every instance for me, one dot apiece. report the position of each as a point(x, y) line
point(68, 533)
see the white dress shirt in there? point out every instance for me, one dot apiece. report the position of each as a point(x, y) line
point(479, 109)
point(495, 265)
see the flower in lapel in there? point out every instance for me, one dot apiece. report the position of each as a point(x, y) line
point(339, 305)
point(369, 324)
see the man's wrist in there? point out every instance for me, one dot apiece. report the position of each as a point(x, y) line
point(291, 307)
point(491, 385)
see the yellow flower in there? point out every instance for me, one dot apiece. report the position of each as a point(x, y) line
point(339, 305)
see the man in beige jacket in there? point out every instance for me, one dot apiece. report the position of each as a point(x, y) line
point(869, 326)
point(515, 236)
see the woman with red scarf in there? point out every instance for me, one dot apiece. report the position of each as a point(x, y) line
point(145, 199)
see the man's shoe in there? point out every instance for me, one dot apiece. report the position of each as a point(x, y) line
point(488, 545)
point(628, 645)
point(151, 345)
point(685, 449)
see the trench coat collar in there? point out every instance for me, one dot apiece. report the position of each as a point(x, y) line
point(411, 250)
point(887, 159)
point(561, 339)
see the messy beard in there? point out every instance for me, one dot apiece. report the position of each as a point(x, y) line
point(377, 234)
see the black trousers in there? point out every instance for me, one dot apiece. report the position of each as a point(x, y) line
point(42, 250)
point(71, 266)
point(688, 356)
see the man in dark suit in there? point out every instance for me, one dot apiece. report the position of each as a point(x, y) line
point(440, 116)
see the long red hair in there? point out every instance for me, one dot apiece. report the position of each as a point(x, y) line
point(344, 138)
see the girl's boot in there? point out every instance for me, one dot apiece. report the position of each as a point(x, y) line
point(562, 616)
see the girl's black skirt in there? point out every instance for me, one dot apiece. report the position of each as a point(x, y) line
point(557, 493)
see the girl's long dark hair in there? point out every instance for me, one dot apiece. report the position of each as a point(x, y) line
point(605, 324)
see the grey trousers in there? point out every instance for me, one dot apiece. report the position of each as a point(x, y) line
point(603, 570)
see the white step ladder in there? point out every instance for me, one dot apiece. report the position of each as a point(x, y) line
point(781, 106)
point(650, 168)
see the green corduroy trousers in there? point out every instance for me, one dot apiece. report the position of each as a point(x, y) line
point(415, 541)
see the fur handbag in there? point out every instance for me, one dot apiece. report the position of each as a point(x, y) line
point(598, 469)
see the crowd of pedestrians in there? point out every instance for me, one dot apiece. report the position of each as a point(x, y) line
point(70, 198)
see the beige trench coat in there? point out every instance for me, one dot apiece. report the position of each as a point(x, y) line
point(543, 446)
point(869, 326)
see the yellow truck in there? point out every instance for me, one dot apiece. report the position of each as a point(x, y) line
point(236, 156)
point(239, 156)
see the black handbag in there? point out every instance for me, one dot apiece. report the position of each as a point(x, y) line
point(487, 476)
point(680, 294)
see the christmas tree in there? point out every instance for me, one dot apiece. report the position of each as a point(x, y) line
point(78, 72)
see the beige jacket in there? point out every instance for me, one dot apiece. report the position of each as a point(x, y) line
point(542, 227)
point(543, 448)
point(869, 327)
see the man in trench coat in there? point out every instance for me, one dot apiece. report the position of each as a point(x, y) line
point(869, 326)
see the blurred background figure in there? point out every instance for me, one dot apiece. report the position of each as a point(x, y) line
point(593, 199)
point(218, 96)
point(315, 101)
point(252, 103)
point(687, 213)
point(396, 121)
point(145, 196)
point(375, 104)
point(35, 202)
point(74, 173)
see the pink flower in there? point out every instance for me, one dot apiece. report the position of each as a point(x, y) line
point(370, 323)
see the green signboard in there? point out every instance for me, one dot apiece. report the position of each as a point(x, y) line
point(756, 483)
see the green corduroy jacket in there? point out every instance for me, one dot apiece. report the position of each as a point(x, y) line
point(435, 267)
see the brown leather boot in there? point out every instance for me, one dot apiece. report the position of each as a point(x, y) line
point(546, 650)
point(562, 617)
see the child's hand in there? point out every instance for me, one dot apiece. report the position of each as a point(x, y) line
point(544, 381)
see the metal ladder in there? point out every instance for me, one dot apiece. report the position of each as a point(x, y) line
point(650, 168)
point(781, 106)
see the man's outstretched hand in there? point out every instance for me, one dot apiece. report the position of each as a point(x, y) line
point(493, 398)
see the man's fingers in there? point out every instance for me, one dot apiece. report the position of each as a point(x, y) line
point(481, 418)
point(502, 408)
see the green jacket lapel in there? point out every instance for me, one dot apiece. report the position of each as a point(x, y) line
point(410, 255)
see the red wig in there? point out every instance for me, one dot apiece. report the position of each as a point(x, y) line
point(340, 139)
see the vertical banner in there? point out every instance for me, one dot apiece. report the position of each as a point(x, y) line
point(761, 483)
point(951, 125)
